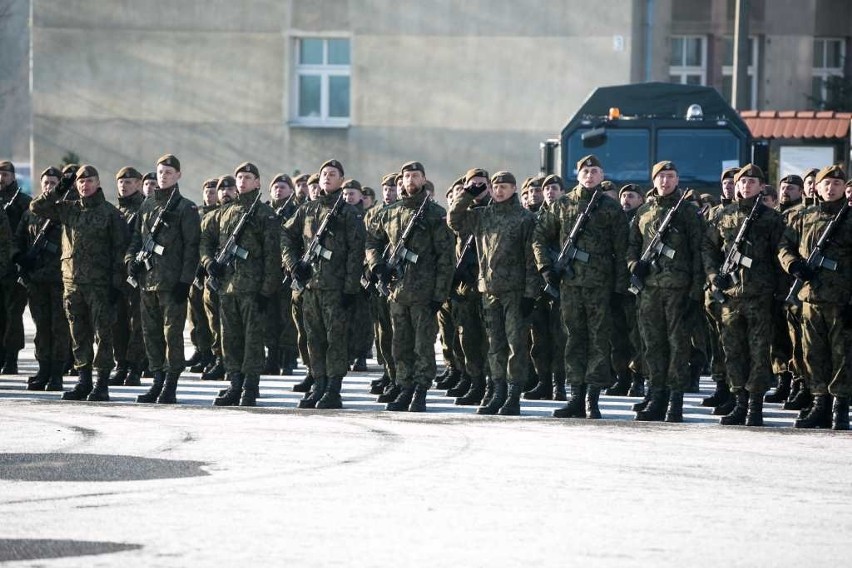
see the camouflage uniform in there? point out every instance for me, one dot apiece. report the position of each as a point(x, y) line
point(281, 337)
point(713, 314)
point(380, 315)
point(12, 295)
point(201, 335)
point(127, 333)
point(209, 298)
point(466, 302)
point(360, 337)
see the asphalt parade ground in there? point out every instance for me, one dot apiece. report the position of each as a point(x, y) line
point(119, 483)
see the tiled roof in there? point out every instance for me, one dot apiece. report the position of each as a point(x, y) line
point(797, 123)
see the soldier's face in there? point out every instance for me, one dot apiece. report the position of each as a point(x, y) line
point(367, 200)
point(167, 176)
point(728, 188)
point(789, 192)
point(848, 191)
point(389, 194)
point(330, 180)
point(400, 189)
point(49, 183)
point(770, 201)
point(87, 186)
point(477, 181)
point(665, 182)
point(536, 195)
point(6, 179)
point(247, 181)
point(809, 186)
point(552, 192)
point(748, 187)
point(313, 191)
point(127, 186)
point(500, 192)
point(831, 189)
point(280, 190)
point(412, 181)
point(302, 188)
point(149, 186)
point(590, 176)
point(351, 196)
point(630, 200)
point(209, 195)
point(227, 194)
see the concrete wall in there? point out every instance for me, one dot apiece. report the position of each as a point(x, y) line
point(15, 109)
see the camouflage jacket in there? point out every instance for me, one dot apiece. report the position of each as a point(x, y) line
point(129, 208)
point(685, 270)
point(261, 270)
point(94, 237)
point(429, 279)
point(15, 203)
point(179, 238)
point(345, 240)
point(604, 238)
point(284, 210)
point(47, 266)
point(761, 246)
point(801, 234)
point(504, 241)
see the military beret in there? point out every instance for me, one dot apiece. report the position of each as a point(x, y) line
point(226, 182)
point(459, 181)
point(7, 166)
point(301, 178)
point(87, 171)
point(553, 179)
point(607, 185)
point(389, 179)
point(749, 170)
point(536, 181)
point(630, 187)
point(351, 184)
point(212, 182)
point(812, 172)
point(51, 172)
point(128, 172)
point(475, 172)
point(526, 183)
point(429, 186)
point(831, 172)
point(413, 167)
point(368, 192)
point(169, 160)
point(664, 166)
point(590, 161)
point(503, 177)
point(248, 168)
point(279, 178)
point(792, 179)
point(331, 164)
point(150, 176)
point(729, 173)
point(70, 169)
point(313, 179)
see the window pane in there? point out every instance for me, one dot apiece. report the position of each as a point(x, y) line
point(310, 51)
point(727, 87)
point(729, 51)
point(338, 52)
point(698, 153)
point(675, 79)
point(834, 54)
point(677, 51)
point(626, 149)
point(693, 79)
point(816, 89)
point(694, 57)
point(309, 95)
point(819, 55)
point(338, 96)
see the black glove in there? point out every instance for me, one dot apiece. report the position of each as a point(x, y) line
point(550, 277)
point(134, 268)
point(527, 306)
point(215, 270)
point(641, 269)
point(181, 292)
point(24, 261)
point(382, 272)
point(846, 316)
point(302, 271)
point(347, 300)
point(435, 306)
point(723, 281)
point(475, 189)
point(800, 269)
point(113, 294)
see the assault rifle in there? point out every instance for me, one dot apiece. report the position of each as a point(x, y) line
point(11, 201)
point(570, 252)
point(150, 247)
point(398, 256)
point(279, 213)
point(315, 250)
point(232, 250)
point(735, 257)
point(657, 247)
point(40, 244)
point(816, 259)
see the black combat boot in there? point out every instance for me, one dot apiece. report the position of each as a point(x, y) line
point(134, 377)
point(83, 387)
point(674, 412)
point(10, 367)
point(694, 377)
point(311, 398)
point(646, 400)
point(754, 416)
point(840, 414)
point(461, 387)
point(118, 377)
point(512, 406)
point(498, 399)
point(782, 390)
point(819, 415)
point(418, 400)
point(720, 396)
point(489, 392)
point(377, 386)
point(543, 390)
point(101, 391)
point(442, 378)
point(305, 385)
point(360, 365)
point(403, 400)
point(737, 416)
point(55, 382)
point(474, 394)
point(251, 386)
point(655, 411)
point(288, 361)
point(559, 387)
point(150, 396)
point(215, 371)
point(637, 385)
point(621, 386)
point(204, 359)
point(38, 381)
point(802, 400)
point(450, 381)
point(390, 393)
point(576, 407)
point(231, 396)
point(593, 394)
point(194, 358)
point(331, 399)
point(726, 407)
point(167, 395)
point(273, 360)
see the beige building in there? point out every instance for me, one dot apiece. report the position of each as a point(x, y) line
point(374, 83)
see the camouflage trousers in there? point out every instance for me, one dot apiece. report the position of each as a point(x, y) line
point(664, 325)
point(793, 317)
point(280, 327)
point(301, 332)
point(447, 334)
point(547, 350)
point(628, 305)
point(163, 322)
point(326, 326)
point(52, 336)
point(214, 322)
point(826, 342)
point(128, 342)
point(470, 331)
point(200, 334)
point(508, 337)
point(14, 301)
point(90, 317)
point(383, 330)
point(587, 320)
point(415, 328)
point(781, 347)
point(361, 336)
point(746, 337)
point(243, 328)
point(713, 315)
point(621, 350)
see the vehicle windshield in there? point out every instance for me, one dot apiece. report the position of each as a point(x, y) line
point(623, 153)
point(700, 155)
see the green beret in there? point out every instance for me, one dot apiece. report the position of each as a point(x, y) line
point(749, 170)
point(810, 173)
point(331, 164)
point(70, 169)
point(553, 179)
point(503, 177)
point(51, 172)
point(210, 183)
point(279, 178)
point(475, 172)
point(7, 166)
point(152, 176)
point(301, 178)
point(248, 168)
point(729, 173)
point(313, 179)
point(351, 184)
point(413, 167)
point(792, 179)
point(590, 161)
point(664, 166)
point(389, 179)
point(607, 185)
point(87, 171)
point(368, 192)
point(536, 181)
point(169, 160)
point(459, 181)
point(429, 186)
point(630, 187)
point(225, 182)
point(128, 172)
point(831, 172)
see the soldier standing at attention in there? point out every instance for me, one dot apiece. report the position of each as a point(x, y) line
point(149, 184)
point(673, 288)
point(282, 341)
point(94, 238)
point(165, 286)
point(418, 292)
point(809, 188)
point(201, 335)
point(245, 285)
point(330, 282)
point(631, 197)
point(586, 297)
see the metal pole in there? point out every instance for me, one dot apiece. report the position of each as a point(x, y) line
point(739, 92)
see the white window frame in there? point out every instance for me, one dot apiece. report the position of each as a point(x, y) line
point(684, 71)
point(324, 71)
point(824, 72)
point(751, 71)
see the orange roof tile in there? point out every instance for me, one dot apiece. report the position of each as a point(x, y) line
point(797, 124)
